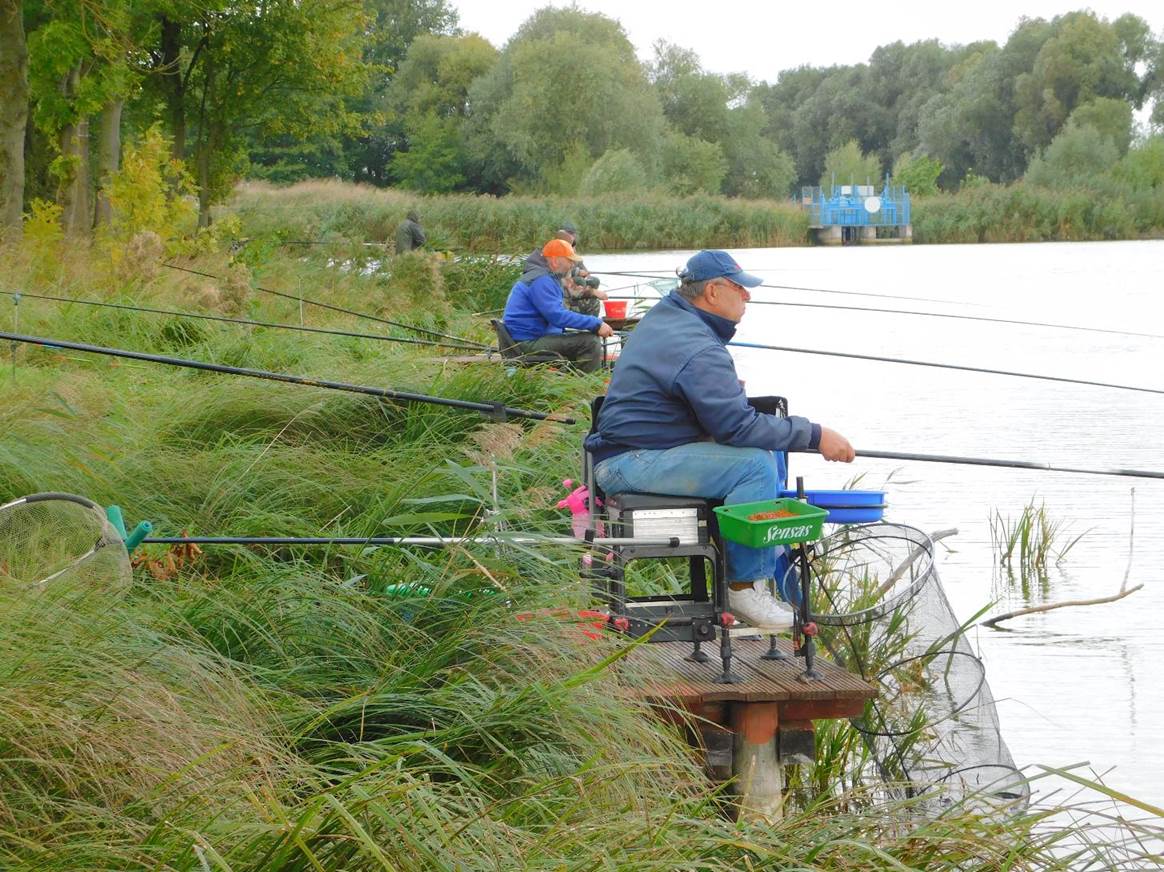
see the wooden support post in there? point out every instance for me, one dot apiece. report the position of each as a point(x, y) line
point(759, 780)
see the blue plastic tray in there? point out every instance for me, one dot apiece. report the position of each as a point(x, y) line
point(846, 506)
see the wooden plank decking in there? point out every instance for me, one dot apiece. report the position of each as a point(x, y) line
point(662, 673)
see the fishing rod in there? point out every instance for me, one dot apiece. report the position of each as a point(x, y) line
point(496, 410)
point(432, 541)
point(342, 242)
point(792, 288)
point(243, 321)
point(908, 362)
point(1005, 464)
point(298, 299)
point(944, 315)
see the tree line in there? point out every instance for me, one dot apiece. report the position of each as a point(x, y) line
point(393, 93)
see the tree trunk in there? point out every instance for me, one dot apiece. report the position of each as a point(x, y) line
point(207, 142)
point(73, 194)
point(13, 115)
point(175, 84)
point(109, 150)
point(204, 182)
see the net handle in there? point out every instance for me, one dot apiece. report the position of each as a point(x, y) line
point(52, 495)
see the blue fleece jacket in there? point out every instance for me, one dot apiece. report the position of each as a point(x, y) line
point(675, 383)
point(535, 307)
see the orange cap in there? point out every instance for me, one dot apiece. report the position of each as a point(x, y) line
point(560, 248)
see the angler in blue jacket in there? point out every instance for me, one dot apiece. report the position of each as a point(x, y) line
point(676, 421)
point(537, 318)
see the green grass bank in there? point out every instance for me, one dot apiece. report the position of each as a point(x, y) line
point(262, 709)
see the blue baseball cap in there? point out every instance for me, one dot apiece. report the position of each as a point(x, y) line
point(714, 264)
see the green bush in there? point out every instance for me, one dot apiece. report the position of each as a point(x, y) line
point(1080, 155)
point(919, 173)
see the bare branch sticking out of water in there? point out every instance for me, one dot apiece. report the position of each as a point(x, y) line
point(1123, 591)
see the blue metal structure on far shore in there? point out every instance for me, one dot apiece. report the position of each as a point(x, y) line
point(852, 206)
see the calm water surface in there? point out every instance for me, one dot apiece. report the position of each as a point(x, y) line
point(1077, 684)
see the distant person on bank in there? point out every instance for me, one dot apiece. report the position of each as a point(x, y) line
point(582, 293)
point(537, 318)
point(676, 421)
point(578, 294)
point(409, 234)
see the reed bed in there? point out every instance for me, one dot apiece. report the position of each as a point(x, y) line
point(1032, 540)
point(1022, 212)
point(335, 211)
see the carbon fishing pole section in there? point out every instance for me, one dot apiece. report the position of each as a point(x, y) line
point(948, 315)
point(953, 366)
point(497, 411)
point(18, 295)
point(424, 331)
point(662, 276)
point(936, 365)
point(991, 461)
point(491, 539)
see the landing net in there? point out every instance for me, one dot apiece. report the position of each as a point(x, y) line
point(55, 540)
point(933, 731)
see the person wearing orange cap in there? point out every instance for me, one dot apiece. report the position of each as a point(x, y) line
point(537, 318)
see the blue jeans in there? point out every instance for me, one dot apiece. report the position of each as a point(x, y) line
point(706, 469)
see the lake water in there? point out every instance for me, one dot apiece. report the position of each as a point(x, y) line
point(1076, 684)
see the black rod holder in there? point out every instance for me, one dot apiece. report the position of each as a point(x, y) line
point(809, 644)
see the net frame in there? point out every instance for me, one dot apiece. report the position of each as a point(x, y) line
point(48, 537)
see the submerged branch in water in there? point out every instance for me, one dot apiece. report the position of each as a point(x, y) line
point(1123, 591)
point(1047, 607)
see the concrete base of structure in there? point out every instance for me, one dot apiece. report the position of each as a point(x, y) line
point(832, 235)
point(835, 234)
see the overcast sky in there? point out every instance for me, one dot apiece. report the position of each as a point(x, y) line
point(763, 38)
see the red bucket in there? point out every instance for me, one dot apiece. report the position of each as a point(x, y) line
point(615, 308)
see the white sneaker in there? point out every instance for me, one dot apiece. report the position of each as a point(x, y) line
point(757, 607)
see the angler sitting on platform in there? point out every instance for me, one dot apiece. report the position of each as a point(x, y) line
point(676, 421)
point(536, 316)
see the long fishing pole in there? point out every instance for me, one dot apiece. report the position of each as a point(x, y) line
point(791, 288)
point(908, 362)
point(943, 315)
point(432, 541)
point(353, 312)
point(492, 409)
point(1005, 464)
point(243, 321)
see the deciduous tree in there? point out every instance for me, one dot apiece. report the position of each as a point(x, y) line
point(849, 165)
point(1083, 59)
point(13, 114)
point(566, 77)
point(277, 68)
point(427, 103)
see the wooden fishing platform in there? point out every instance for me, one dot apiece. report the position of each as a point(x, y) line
point(665, 675)
point(749, 731)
